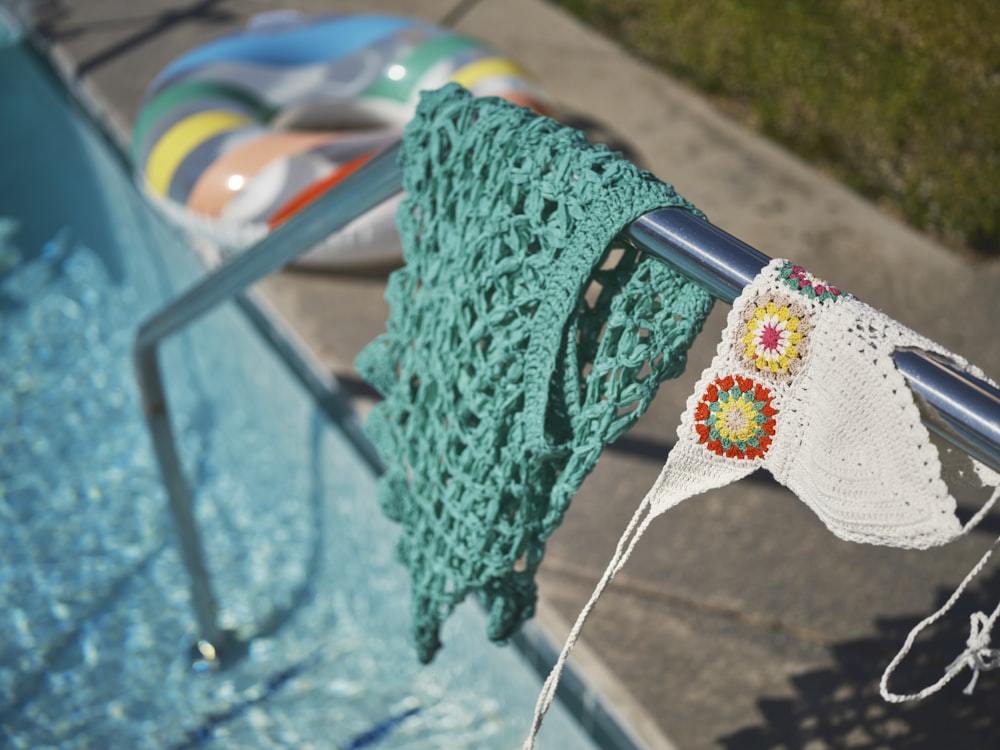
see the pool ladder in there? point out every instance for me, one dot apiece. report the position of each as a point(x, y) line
point(960, 408)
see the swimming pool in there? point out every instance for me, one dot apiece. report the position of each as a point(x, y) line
point(96, 619)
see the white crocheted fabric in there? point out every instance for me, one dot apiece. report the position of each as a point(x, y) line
point(804, 384)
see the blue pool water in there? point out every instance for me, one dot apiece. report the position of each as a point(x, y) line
point(95, 620)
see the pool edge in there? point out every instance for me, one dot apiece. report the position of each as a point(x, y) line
point(593, 695)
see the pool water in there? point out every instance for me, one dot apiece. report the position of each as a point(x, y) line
point(95, 618)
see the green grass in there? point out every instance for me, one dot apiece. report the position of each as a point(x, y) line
point(900, 99)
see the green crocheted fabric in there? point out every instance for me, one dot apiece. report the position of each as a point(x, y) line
point(517, 345)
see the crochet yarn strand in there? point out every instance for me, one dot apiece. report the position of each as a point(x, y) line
point(517, 345)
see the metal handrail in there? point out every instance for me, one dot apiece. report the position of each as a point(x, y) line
point(956, 405)
point(377, 181)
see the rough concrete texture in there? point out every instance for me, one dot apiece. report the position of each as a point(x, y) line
point(740, 622)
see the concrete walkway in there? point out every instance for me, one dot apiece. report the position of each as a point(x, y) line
point(740, 622)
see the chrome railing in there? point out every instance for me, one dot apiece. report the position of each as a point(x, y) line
point(962, 409)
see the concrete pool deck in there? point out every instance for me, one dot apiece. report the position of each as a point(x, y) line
point(740, 621)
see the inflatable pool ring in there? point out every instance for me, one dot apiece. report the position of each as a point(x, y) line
point(235, 136)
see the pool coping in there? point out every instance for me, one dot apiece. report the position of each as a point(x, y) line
point(600, 702)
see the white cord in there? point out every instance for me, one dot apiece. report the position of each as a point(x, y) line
point(978, 655)
point(626, 544)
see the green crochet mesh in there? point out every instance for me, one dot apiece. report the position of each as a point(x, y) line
point(517, 345)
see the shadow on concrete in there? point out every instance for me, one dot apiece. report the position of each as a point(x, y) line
point(841, 707)
point(600, 133)
point(55, 23)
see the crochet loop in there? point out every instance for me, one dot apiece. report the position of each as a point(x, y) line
point(978, 655)
point(517, 345)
